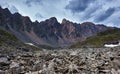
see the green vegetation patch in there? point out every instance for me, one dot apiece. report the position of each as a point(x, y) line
point(100, 39)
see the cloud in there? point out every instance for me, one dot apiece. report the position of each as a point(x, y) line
point(96, 11)
point(13, 9)
point(78, 5)
point(30, 2)
point(105, 15)
point(38, 15)
point(4, 4)
point(90, 11)
point(113, 19)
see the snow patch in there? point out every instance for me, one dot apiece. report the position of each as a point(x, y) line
point(30, 44)
point(112, 45)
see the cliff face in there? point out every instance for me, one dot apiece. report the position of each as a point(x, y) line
point(49, 32)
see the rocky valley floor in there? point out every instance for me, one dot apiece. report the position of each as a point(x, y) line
point(64, 61)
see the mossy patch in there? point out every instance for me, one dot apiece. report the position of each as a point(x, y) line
point(99, 40)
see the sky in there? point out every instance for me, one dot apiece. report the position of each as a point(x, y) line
point(105, 12)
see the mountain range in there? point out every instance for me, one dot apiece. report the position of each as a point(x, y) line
point(49, 32)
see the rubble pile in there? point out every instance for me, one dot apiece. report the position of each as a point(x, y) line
point(64, 61)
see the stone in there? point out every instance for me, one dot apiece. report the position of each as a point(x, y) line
point(14, 64)
point(3, 60)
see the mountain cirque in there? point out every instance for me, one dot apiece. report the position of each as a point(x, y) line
point(49, 32)
point(65, 61)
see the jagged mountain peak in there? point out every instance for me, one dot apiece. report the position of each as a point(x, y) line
point(36, 21)
point(50, 22)
point(52, 19)
point(48, 32)
point(0, 7)
point(66, 22)
point(6, 10)
point(17, 14)
point(26, 18)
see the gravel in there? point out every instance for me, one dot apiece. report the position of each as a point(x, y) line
point(64, 61)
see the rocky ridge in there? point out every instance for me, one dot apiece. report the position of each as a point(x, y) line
point(49, 32)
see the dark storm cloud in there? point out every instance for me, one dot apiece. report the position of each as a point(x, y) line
point(89, 11)
point(30, 2)
point(78, 5)
point(97, 11)
point(105, 15)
